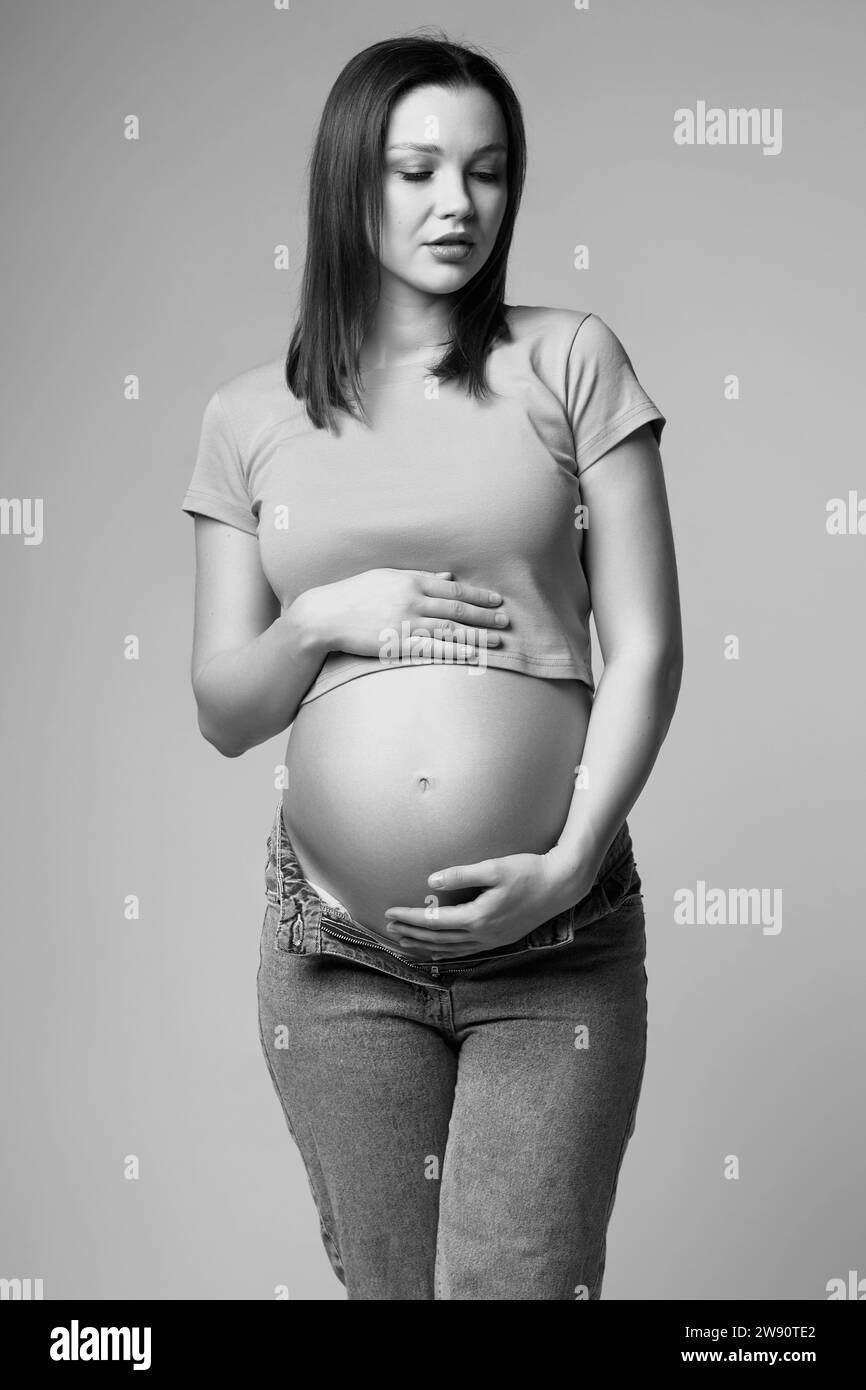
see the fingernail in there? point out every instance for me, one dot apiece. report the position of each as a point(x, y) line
point(435, 880)
point(501, 619)
point(494, 597)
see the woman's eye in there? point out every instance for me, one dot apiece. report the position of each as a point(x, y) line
point(415, 175)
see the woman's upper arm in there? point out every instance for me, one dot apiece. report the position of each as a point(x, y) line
point(629, 558)
point(234, 602)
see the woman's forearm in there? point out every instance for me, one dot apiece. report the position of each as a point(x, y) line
point(247, 695)
point(631, 714)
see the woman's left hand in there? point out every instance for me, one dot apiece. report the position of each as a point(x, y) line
point(520, 891)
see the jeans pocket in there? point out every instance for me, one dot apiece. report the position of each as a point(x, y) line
point(556, 931)
point(621, 885)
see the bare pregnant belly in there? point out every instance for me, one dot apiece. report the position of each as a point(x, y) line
point(399, 773)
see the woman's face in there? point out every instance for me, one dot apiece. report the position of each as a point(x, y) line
point(444, 173)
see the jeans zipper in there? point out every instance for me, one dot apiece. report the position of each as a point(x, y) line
point(435, 970)
point(360, 941)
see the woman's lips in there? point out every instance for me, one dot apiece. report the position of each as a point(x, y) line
point(451, 250)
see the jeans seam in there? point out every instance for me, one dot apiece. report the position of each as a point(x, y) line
point(622, 1148)
point(315, 1195)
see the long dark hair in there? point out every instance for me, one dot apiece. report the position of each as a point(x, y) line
point(342, 275)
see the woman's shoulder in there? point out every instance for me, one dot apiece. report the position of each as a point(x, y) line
point(545, 322)
point(262, 379)
point(545, 337)
point(580, 338)
point(544, 318)
point(256, 394)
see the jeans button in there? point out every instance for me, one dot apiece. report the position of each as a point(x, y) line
point(434, 971)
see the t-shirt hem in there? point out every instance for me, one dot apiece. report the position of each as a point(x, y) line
point(550, 668)
point(209, 504)
point(615, 431)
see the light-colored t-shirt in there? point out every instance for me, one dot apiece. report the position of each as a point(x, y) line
point(439, 481)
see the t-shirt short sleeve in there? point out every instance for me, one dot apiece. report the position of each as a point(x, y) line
point(218, 487)
point(604, 398)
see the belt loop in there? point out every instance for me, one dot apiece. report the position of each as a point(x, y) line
point(297, 894)
point(278, 842)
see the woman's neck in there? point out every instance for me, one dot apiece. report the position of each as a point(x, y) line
point(403, 334)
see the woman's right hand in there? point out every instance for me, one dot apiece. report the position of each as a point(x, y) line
point(445, 617)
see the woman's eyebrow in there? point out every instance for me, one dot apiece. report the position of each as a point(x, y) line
point(437, 149)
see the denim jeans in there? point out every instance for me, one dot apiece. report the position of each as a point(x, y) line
point(462, 1125)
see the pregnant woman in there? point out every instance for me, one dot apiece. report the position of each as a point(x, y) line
point(434, 487)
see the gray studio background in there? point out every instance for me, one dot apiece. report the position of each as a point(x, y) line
point(155, 257)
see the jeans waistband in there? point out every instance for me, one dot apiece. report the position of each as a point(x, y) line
point(302, 912)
